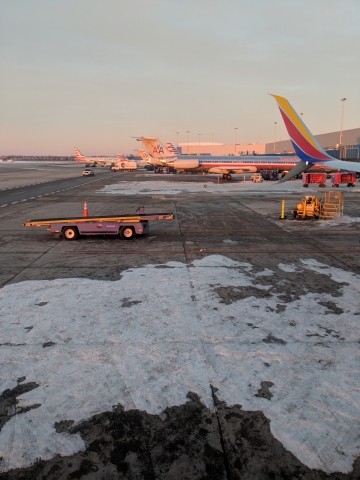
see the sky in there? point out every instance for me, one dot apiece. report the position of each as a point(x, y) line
point(96, 73)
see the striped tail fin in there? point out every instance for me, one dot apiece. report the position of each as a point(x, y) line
point(79, 156)
point(172, 149)
point(306, 146)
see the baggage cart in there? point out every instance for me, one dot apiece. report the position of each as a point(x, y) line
point(319, 178)
point(125, 226)
point(343, 177)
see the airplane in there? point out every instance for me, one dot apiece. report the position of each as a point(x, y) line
point(145, 157)
point(225, 165)
point(172, 149)
point(307, 148)
point(93, 161)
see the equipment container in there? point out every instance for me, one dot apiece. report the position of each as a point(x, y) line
point(319, 178)
point(349, 153)
point(334, 152)
point(339, 177)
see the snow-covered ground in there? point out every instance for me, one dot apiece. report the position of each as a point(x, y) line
point(209, 185)
point(161, 331)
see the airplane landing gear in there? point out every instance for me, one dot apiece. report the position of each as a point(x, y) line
point(228, 176)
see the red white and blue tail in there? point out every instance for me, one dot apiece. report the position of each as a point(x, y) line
point(172, 149)
point(79, 156)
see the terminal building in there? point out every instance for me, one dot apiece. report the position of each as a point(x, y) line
point(349, 148)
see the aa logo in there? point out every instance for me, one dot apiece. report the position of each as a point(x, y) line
point(158, 149)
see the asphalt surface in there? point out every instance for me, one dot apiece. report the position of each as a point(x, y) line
point(14, 195)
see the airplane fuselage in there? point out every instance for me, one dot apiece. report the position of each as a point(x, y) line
point(220, 164)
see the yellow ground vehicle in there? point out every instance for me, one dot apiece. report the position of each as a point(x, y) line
point(309, 207)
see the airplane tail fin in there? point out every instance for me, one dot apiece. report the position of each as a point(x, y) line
point(172, 149)
point(306, 146)
point(145, 157)
point(79, 156)
point(155, 147)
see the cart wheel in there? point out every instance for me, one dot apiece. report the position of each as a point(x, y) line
point(127, 233)
point(70, 233)
point(294, 214)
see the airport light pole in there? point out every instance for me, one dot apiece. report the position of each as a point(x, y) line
point(187, 140)
point(177, 139)
point(275, 137)
point(199, 141)
point(342, 119)
point(236, 128)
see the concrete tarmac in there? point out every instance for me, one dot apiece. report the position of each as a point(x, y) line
point(240, 226)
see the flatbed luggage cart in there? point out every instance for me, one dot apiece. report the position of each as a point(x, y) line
point(126, 226)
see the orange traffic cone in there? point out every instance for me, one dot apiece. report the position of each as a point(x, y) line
point(86, 213)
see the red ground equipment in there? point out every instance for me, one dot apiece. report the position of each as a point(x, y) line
point(338, 177)
point(319, 178)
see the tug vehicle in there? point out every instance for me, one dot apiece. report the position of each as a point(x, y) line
point(309, 207)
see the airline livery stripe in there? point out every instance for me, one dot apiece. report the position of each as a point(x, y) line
point(302, 142)
point(292, 115)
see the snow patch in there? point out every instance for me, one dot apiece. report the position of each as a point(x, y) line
point(289, 268)
point(230, 242)
point(344, 220)
point(163, 187)
point(149, 338)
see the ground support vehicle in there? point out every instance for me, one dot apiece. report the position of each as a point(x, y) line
point(327, 208)
point(126, 226)
point(271, 175)
point(343, 177)
point(319, 178)
point(123, 166)
point(164, 170)
point(309, 207)
point(256, 178)
point(88, 172)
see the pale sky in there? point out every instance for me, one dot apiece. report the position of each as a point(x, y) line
point(94, 73)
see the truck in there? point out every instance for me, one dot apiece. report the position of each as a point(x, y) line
point(124, 226)
point(124, 165)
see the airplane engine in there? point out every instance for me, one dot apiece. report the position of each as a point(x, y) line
point(184, 164)
point(246, 170)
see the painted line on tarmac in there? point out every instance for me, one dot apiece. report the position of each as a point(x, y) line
point(51, 193)
point(38, 183)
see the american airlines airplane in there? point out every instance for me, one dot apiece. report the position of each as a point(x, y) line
point(307, 148)
point(225, 165)
point(103, 161)
point(144, 157)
